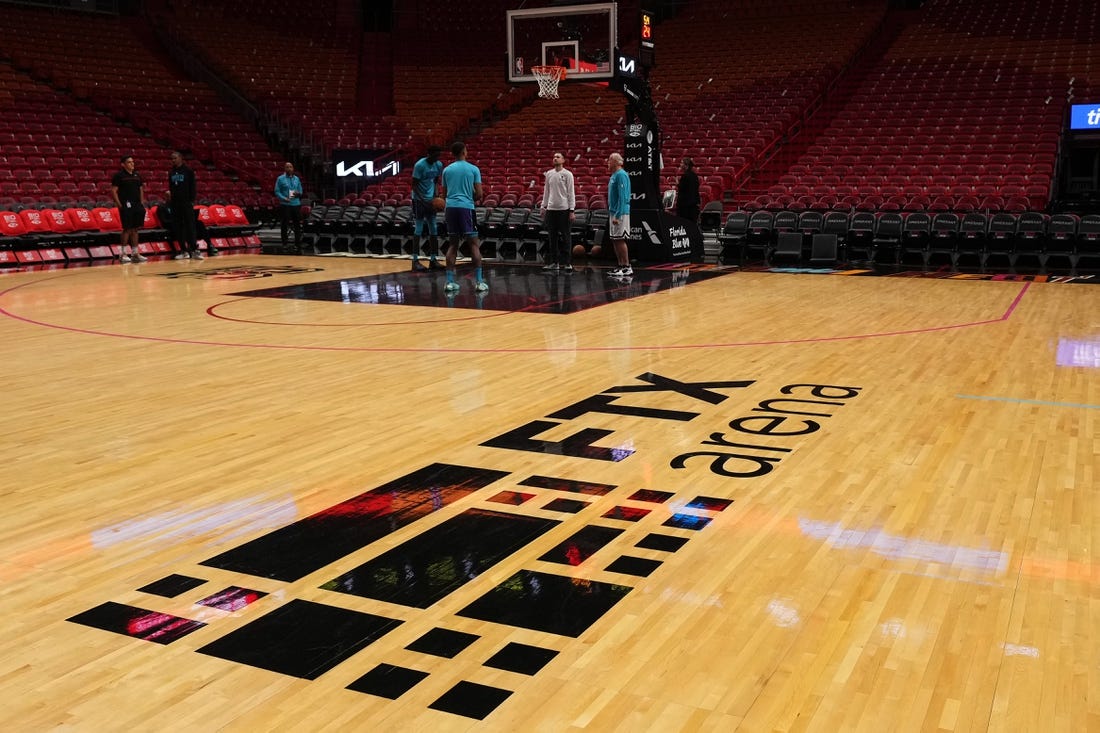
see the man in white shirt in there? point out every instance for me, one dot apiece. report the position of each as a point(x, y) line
point(559, 200)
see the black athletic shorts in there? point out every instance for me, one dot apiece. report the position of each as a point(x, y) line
point(131, 214)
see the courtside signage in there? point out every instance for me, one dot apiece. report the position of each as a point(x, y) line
point(364, 164)
point(1085, 116)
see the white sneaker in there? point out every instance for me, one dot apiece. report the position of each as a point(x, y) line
point(196, 255)
point(627, 271)
point(451, 287)
point(481, 286)
point(182, 256)
point(124, 257)
point(139, 257)
point(617, 272)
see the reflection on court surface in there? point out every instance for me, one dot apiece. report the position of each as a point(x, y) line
point(511, 288)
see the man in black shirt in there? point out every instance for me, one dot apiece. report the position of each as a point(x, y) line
point(128, 191)
point(181, 193)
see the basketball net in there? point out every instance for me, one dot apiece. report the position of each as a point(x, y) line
point(548, 78)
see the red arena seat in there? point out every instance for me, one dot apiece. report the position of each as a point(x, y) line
point(106, 219)
point(237, 216)
point(58, 220)
point(219, 215)
point(11, 224)
point(82, 219)
point(34, 221)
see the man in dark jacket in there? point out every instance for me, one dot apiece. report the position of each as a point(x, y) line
point(687, 191)
point(181, 193)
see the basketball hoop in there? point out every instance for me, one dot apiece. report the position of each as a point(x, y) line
point(548, 78)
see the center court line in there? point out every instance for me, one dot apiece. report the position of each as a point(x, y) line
point(1028, 402)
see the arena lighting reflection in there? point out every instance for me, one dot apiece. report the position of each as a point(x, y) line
point(165, 628)
point(357, 291)
point(893, 629)
point(1078, 353)
point(903, 548)
point(1019, 650)
point(691, 598)
point(623, 450)
point(153, 626)
point(783, 613)
point(257, 514)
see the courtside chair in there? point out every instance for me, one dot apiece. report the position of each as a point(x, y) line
point(973, 233)
point(599, 220)
point(784, 221)
point(579, 227)
point(787, 248)
point(710, 219)
point(1031, 234)
point(1088, 238)
point(13, 234)
point(759, 236)
point(836, 223)
point(916, 238)
point(810, 223)
point(887, 240)
point(859, 241)
point(1061, 239)
point(733, 236)
point(944, 236)
point(1001, 239)
point(823, 250)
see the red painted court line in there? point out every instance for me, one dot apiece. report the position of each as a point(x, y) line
point(410, 350)
point(211, 311)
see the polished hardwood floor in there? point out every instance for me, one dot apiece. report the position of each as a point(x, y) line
point(312, 494)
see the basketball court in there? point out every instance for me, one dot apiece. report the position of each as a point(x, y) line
point(323, 493)
point(309, 493)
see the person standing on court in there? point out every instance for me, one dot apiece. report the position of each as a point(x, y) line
point(687, 191)
point(559, 199)
point(128, 191)
point(181, 196)
point(288, 189)
point(462, 184)
point(618, 208)
point(425, 174)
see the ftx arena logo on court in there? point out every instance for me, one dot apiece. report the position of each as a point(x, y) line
point(626, 531)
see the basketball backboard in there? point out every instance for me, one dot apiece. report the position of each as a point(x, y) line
point(580, 37)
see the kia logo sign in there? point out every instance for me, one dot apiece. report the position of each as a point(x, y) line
point(364, 164)
point(366, 169)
